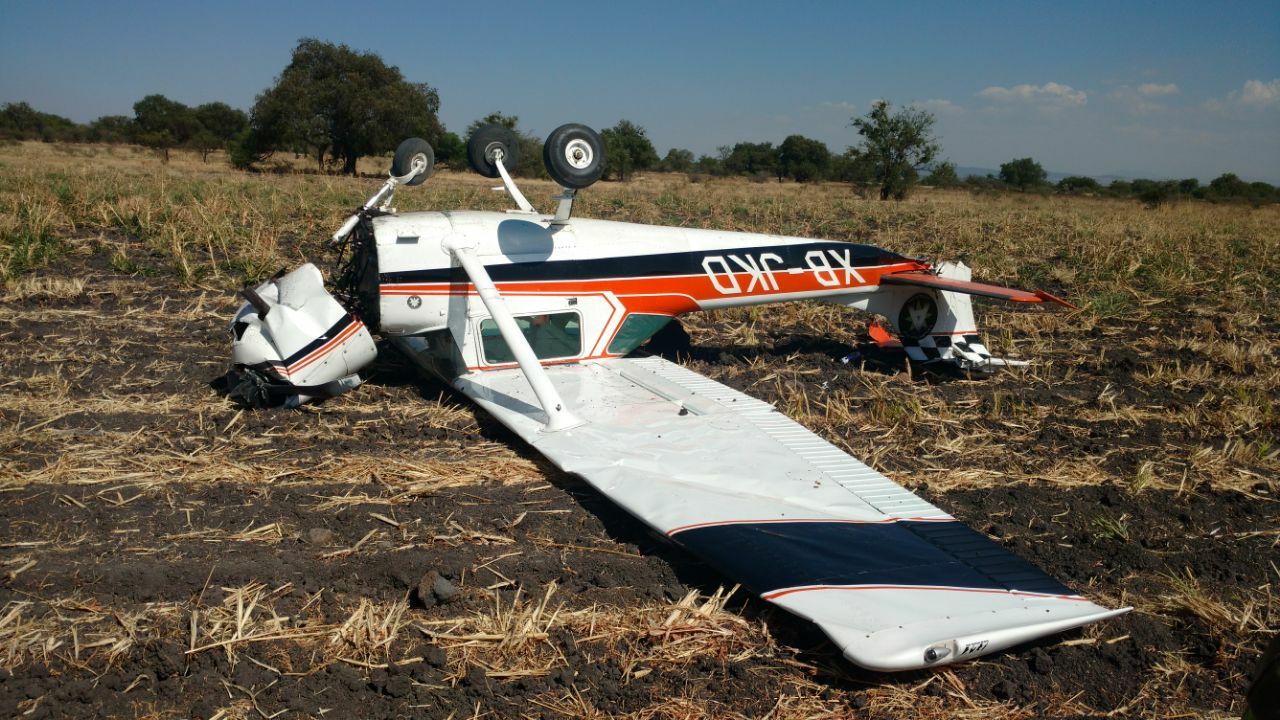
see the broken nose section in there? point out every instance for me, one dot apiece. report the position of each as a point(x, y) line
point(292, 343)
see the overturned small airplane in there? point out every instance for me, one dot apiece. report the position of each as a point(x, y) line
point(534, 316)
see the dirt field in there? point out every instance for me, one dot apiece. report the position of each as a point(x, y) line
point(395, 553)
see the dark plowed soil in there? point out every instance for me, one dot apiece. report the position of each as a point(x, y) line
point(170, 556)
point(172, 547)
point(169, 548)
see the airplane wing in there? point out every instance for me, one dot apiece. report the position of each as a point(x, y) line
point(894, 581)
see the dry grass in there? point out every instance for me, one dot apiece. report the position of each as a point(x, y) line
point(82, 633)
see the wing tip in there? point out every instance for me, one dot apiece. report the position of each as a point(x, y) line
point(917, 648)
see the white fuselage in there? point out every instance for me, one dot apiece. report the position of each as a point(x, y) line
point(603, 273)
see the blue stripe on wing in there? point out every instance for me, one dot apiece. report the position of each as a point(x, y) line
point(770, 556)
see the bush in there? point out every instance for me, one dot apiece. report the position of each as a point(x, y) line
point(1078, 184)
point(1155, 192)
point(1023, 173)
point(943, 175)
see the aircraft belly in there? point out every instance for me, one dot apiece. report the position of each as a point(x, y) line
point(888, 576)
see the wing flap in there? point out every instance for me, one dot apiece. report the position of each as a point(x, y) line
point(888, 576)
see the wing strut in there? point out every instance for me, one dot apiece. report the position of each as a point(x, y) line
point(558, 415)
point(511, 188)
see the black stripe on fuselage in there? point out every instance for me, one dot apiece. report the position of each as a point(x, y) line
point(319, 342)
point(663, 264)
point(777, 555)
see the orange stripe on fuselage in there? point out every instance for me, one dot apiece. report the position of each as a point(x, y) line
point(681, 293)
point(323, 350)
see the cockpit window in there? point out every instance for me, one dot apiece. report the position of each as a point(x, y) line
point(637, 328)
point(551, 335)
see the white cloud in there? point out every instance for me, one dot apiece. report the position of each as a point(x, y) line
point(1157, 89)
point(942, 106)
point(1253, 94)
point(842, 106)
point(1050, 94)
point(1144, 98)
point(1259, 94)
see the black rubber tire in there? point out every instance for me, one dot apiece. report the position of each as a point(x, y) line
point(484, 144)
point(410, 149)
point(574, 155)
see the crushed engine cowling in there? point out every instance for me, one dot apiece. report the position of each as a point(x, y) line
point(292, 342)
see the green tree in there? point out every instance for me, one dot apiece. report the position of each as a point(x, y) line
point(708, 165)
point(1077, 184)
point(1228, 186)
point(164, 124)
point(1023, 173)
point(1155, 192)
point(510, 122)
point(803, 159)
point(337, 102)
point(983, 184)
point(758, 160)
point(943, 175)
point(628, 149)
point(529, 163)
point(247, 148)
point(111, 129)
point(1120, 188)
point(1261, 192)
point(219, 125)
point(853, 167)
point(451, 150)
point(20, 121)
point(677, 160)
point(894, 145)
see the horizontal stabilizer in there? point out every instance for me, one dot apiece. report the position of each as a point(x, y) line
point(921, 279)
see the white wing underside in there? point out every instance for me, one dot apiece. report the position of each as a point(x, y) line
point(894, 581)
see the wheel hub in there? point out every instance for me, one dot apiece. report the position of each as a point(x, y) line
point(578, 153)
point(918, 316)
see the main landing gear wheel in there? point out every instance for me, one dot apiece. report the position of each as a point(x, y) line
point(918, 316)
point(413, 157)
point(490, 144)
point(574, 155)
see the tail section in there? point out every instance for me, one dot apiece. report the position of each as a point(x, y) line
point(936, 325)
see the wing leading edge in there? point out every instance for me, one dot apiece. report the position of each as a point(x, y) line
point(894, 581)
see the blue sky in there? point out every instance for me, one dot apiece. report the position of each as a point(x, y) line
point(1152, 89)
